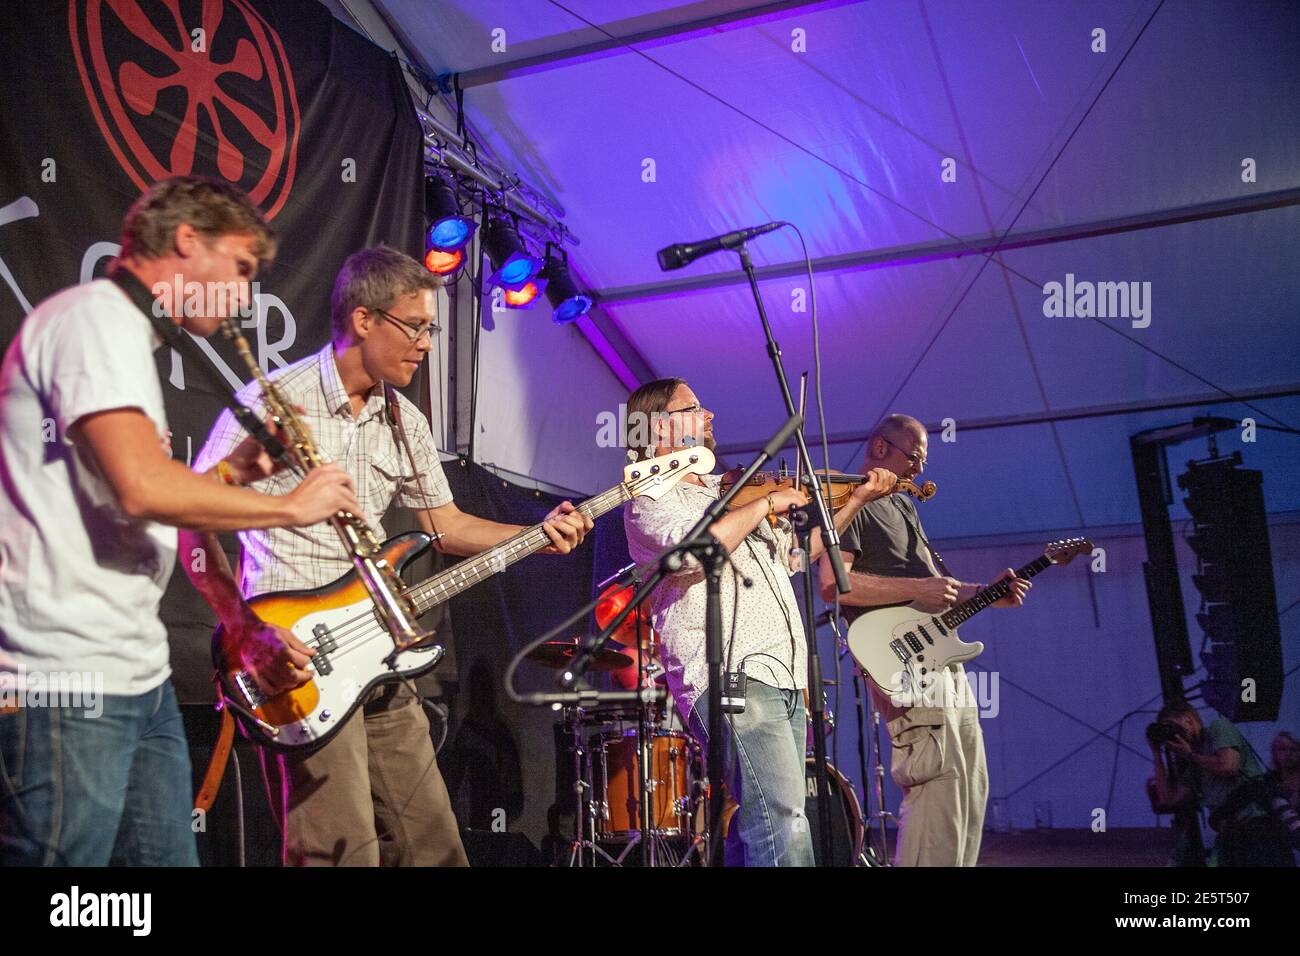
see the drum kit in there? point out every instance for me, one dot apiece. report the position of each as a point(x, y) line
point(638, 780)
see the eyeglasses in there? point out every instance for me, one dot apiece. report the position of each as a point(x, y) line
point(412, 331)
point(688, 410)
point(913, 457)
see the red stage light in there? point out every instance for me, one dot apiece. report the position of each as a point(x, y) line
point(442, 263)
point(523, 297)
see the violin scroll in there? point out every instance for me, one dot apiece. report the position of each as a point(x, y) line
point(923, 493)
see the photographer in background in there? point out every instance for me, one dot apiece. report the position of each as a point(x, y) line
point(1214, 767)
point(1286, 765)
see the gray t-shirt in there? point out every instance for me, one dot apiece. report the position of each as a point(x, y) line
point(885, 538)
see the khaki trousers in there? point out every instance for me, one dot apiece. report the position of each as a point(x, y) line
point(938, 761)
point(372, 796)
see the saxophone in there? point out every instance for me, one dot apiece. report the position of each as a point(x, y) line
point(393, 605)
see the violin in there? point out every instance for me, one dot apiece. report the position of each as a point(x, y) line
point(836, 486)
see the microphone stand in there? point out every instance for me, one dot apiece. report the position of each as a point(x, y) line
point(700, 543)
point(822, 515)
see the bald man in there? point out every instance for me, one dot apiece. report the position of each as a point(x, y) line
point(938, 748)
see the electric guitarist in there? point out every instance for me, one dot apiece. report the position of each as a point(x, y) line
point(938, 748)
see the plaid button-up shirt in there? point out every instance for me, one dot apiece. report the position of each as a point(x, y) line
point(366, 447)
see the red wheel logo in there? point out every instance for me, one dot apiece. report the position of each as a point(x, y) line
point(173, 97)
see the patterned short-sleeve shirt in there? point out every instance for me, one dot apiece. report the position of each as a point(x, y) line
point(769, 643)
point(366, 446)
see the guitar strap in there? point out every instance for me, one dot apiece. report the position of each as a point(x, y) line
point(207, 794)
point(915, 524)
point(171, 334)
point(399, 430)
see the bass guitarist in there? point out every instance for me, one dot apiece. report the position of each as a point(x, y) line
point(374, 793)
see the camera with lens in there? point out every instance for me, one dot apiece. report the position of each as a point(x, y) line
point(1162, 732)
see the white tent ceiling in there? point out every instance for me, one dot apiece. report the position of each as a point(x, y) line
point(847, 137)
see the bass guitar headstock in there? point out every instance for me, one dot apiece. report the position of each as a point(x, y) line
point(653, 477)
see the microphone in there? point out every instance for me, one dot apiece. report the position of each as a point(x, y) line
point(684, 253)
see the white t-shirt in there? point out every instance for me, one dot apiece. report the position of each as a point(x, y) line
point(80, 580)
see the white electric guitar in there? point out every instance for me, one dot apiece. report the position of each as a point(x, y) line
point(355, 651)
point(899, 647)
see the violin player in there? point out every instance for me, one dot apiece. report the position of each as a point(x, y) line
point(762, 632)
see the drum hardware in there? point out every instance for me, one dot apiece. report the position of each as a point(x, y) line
point(848, 830)
point(585, 810)
point(873, 855)
point(637, 785)
point(828, 715)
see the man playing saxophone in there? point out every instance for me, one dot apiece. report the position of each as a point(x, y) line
point(89, 501)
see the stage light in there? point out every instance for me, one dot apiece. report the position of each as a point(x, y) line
point(524, 297)
point(514, 266)
point(443, 263)
point(567, 301)
point(449, 230)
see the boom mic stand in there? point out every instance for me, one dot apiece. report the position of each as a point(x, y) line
point(821, 514)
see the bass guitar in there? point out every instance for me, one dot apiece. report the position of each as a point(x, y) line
point(355, 651)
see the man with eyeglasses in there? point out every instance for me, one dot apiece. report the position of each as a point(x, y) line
point(761, 625)
point(938, 748)
point(373, 794)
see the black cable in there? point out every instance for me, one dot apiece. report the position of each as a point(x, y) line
point(772, 657)
point(776, 593)
point(839, 676)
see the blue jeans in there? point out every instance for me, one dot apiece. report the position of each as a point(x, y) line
point(765, 759)
point(113, 789)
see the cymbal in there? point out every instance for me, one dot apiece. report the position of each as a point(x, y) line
point(558, 654)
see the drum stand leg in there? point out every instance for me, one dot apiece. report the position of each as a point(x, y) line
point(699, 843)
point(697, 806)
point(880, 815)
point(585, 810)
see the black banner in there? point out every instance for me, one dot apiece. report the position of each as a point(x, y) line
point(102, 98)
